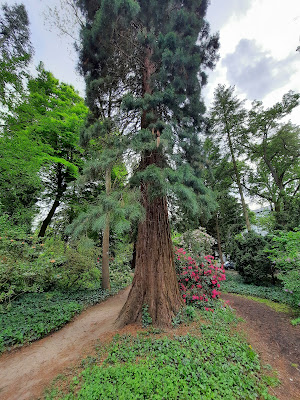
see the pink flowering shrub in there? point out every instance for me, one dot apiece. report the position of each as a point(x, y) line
point(199, 279)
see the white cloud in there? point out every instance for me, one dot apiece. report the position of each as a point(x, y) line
point(256, 72)
point(274, 27)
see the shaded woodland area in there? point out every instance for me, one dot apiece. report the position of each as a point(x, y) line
point(96, 189)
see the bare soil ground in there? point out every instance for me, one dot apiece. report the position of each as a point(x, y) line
point(25, 372)
point(272, 336)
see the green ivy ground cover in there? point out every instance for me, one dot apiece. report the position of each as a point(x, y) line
point(208, 363)
point(34, 315)
point(234, 284)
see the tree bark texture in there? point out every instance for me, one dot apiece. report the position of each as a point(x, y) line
point(155, 282)
point(105, 283)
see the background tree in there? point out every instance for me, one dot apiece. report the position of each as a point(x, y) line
point(275, 152)
point(153, 51)
point(227, 219)
point(51, 117)
point(114, 208)
point(227, 120)
point(20, 184)
point(15, 53)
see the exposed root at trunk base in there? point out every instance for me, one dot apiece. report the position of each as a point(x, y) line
point(155, 282)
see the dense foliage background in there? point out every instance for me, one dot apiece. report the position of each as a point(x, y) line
point(70, 169)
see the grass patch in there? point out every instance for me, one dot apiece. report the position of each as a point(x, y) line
point(234, 284)
point(211, 362)
point(34, 315)
point(295, 321)
point(275, 306)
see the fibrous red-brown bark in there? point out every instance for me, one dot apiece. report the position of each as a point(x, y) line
point(155, 282)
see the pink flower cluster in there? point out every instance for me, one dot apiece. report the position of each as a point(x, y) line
point(199, 280)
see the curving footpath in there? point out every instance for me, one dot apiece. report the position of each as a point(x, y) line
point(25, 373)
point(276, 341)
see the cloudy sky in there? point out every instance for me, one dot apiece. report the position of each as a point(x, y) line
point(258, 47)
point(258, 53)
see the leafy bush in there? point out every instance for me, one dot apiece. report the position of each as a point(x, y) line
point(120, 264)
point(214, 365)
point(235, 284)
point(285, 253)
point(28, 265)
point(185, 315)
point(199, 279)
point(252, 263)
point(195, 242)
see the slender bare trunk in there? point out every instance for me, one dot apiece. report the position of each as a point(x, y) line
point(238, 181)
point(219, 240)
point(61, 188)
point(105, 240)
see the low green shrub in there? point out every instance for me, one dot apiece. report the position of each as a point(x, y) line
point(216, 365)
point(252, 263)
point(295, 321)
point(234, 284)
point(184, 316)
point(29, 265)
point(285, 253)
point(32, 316)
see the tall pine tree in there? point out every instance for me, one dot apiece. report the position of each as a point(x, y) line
point(15, 54)
point(143, 63)
point(227, 119)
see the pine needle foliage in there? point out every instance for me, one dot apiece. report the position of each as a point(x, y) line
point(122, 205)
point(143, 63)
point(113, 61)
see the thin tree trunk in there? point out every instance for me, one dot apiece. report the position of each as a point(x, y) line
point(48, 219)
point(105, 240)
point(238, 181)
point(61, 188)
point(219, 240)
point(277, 206)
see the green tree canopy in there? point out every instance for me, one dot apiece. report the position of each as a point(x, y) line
point(49, 120)
point(15, 52)
point(274, 150)
point(144, 67)
point(228, 118)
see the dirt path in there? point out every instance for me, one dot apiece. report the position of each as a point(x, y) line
point(25, 373)
point(278, 342)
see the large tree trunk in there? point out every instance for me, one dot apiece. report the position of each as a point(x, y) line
point(105, 284)
point(155, 283)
